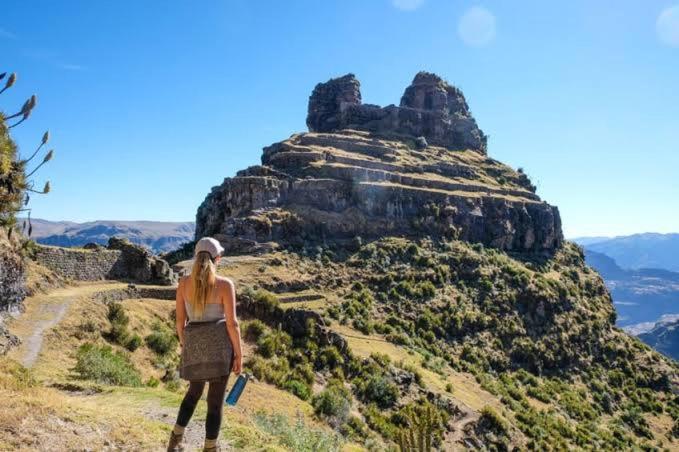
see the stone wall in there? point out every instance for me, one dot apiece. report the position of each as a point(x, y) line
point(79, 264)
point(122, 260)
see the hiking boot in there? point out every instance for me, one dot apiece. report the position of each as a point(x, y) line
point(175, 444)
point(212, 449)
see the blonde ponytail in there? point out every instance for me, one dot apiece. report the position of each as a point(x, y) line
point(203, 278)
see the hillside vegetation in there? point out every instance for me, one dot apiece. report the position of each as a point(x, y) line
point(101, 376)
point(522, 347)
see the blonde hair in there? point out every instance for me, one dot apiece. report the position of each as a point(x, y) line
point(203, 279)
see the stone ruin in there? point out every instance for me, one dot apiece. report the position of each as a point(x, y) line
point(121, 260)
point(430, 108)
point(365, 171)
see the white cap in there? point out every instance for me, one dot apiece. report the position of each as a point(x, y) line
point(210, 245)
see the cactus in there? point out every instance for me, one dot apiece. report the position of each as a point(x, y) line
point(15, 182)
point(419, 434)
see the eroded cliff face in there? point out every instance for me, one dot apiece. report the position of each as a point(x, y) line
point(12, 284)
point(363, 171)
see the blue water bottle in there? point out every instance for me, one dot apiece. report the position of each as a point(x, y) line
point(237, 389)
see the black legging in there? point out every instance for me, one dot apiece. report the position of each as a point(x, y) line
point(215, 403)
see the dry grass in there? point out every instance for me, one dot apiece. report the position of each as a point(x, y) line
point(38, 416)
point(41, 418)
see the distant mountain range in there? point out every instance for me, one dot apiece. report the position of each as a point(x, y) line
point(158, 236)
point(641, 297)
point(648, 250)
point(646, 299)
point(664, 337)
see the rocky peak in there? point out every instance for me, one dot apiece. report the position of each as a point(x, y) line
point(430, 92)
point(430, 108)
point(329, 100)
point(366, 171)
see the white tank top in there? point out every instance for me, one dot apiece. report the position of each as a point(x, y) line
point(213, 311)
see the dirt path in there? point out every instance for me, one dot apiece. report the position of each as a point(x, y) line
point(43, 312)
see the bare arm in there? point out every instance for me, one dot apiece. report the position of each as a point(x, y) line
point(232, 326)
point(180, 311)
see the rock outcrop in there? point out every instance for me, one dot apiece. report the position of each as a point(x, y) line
point(138, 264)
point(363, 171)
point(12, 269)
point(430, 108)
point(12, 284)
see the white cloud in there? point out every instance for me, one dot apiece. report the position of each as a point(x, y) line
point(667, 26)
point(477, 26)
point(407, 5)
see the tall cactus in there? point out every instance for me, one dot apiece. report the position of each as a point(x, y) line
point(16, 185)
point(418, 436)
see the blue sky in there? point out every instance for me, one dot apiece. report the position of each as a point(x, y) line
point(152, 103)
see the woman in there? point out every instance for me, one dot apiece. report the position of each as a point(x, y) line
point(210, 338)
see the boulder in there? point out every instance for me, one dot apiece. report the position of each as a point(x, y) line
point(138, 264)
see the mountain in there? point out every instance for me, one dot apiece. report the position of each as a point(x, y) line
point(641, 297)
point(399, 277)
point(367, 171)
point(156, 235)
point(664, 337)
point(648, 250)
point(584, 241)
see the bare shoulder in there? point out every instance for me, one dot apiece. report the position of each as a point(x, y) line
point(225, 283)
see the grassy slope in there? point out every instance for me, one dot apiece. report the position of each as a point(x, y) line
point(48, 408)
point(530, 337)
point(489, 317)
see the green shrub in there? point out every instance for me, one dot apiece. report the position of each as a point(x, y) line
point(118, 333)
point(103, 365)
point(333, 403)
point(381, 358)
point(253, 330)
point(399, 338)
point(298, 436)
point(162, 340)
point(330, 357)
point(363, 325)
point(304, 372)
point(116, 313)
point(635, 420)
point(134, 342)
point(274, 370)
point(264, 303)
point(354, 428)
point(298, 388)
point(492, 421)
point(274, 343)
point(173, 385)
point(375, 418)
point(377, 389)
point(426, 289)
